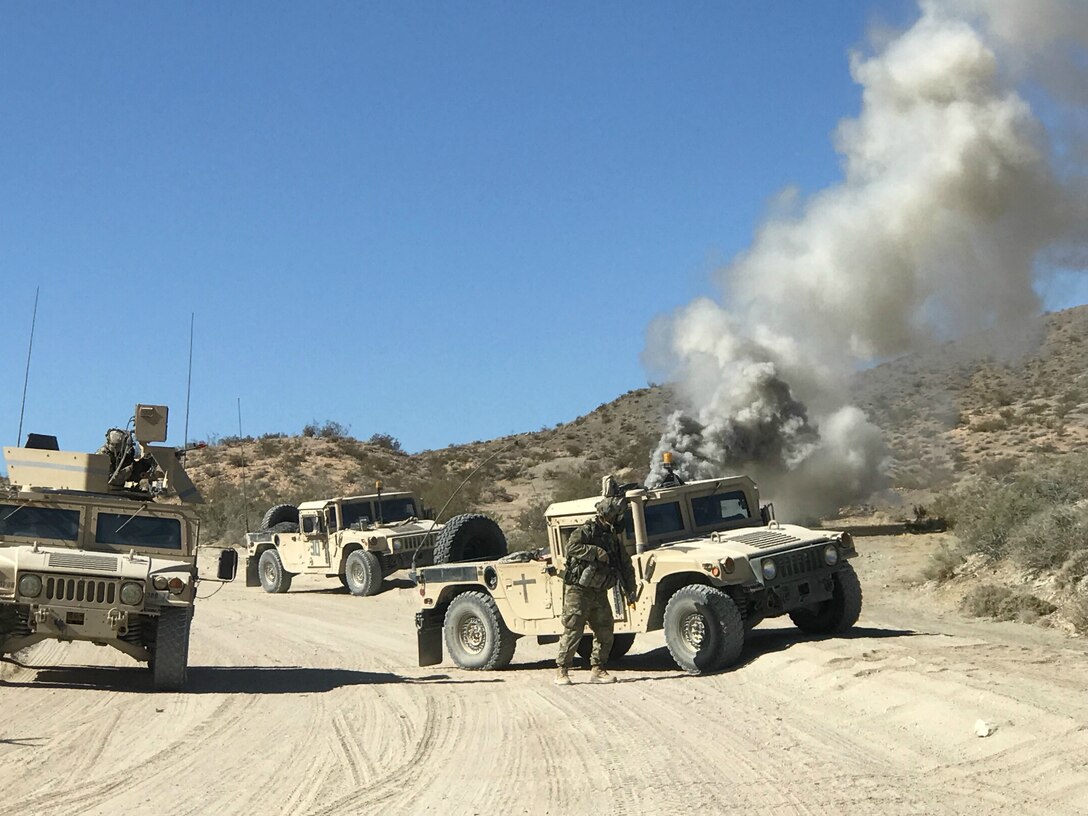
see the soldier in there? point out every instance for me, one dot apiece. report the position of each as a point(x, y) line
point(596, 561)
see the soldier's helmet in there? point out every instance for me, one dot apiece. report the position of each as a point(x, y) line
point(611, 509)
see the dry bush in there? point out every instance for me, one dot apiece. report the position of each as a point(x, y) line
point(1076, 611)
point(943, 563)
point(1001, 603)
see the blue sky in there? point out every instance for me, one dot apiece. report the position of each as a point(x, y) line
point(441, 221)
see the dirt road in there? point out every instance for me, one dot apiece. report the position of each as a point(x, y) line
point(311, 703)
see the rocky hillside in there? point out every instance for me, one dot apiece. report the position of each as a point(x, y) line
point(978, 404)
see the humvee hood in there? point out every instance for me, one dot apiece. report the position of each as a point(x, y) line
point(751, 540)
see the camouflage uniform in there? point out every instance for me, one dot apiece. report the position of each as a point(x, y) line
point(596, 561)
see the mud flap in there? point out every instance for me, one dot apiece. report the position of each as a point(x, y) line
point(429, 638)
point(253, 577)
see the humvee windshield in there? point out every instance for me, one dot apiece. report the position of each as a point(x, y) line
point(126, 530)
point(366, 512)
point(730, 506)
point(661, 519)
point(39, 522)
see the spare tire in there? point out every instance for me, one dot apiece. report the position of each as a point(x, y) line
point(278, 514)
point(468, 538)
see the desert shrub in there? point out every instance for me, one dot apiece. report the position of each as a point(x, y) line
point(990, 512)
point(531, 523)
point(1001, 603)
point(387, 441)
point(1048, 538)
point(329, 429)
point(1076, 611)
point(942, 564)
point(990, 424)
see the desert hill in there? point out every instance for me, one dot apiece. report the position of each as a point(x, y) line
point(979, 403)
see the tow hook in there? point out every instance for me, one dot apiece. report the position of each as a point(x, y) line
point(41, 614)
point(115, 617)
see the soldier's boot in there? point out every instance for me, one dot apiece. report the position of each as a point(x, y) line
point(561, 676)
point(598, 675)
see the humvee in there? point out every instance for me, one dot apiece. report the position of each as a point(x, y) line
point(361, 540)
point(710, 564)
point(102, 547)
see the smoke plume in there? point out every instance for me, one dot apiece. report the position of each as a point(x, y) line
point(954, 197)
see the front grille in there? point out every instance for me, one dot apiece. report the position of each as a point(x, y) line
point(77, 561)
point(763, 539)
point(799, 562)
point(80, 590)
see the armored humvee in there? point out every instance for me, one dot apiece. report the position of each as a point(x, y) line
point(361, 540)
point(102, 547)
point(709, 561)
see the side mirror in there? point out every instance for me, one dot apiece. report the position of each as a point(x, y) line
point(228, 565)
point(766, 513)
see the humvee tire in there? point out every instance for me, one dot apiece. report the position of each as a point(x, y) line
point(621, 645)
point(363, 573)
point(468, 537)
point(703, 629)
point(476, 637)
point(171, 656)
point(278, 514)
point(274, 578)
point(838, 613)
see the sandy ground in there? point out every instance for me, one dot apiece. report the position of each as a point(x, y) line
point(311, 702)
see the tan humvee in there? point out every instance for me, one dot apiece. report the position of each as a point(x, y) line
point(90, 548)
point(709, 562)
point(361, 540)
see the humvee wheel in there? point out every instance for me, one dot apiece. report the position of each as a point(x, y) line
point(621, 645)
point(836, 614)
point(280, 514)
point(476, 637)
point(468, 537)
point(703, 629)
point(171, 652)
point(274, 578)
point(363, 573)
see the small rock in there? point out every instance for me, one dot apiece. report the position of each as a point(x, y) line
point(159, 710)
point(984, 729)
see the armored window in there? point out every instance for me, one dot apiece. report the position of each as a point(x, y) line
point(662, 519)
point(311, 524)
point(123, 530)
point(397, 509)
point(356, 514)
point(731, 506)
point(330, 519)
point(39, 522)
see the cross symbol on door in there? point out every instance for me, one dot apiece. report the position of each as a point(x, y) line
point(524, 584)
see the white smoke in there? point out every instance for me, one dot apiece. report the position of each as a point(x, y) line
point(951, 197)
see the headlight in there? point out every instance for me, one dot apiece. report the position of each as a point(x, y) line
point(30, 586)
point(176, 585)
point(159, 582)
point(769, 569)
point(831, 555)
point(132, 594)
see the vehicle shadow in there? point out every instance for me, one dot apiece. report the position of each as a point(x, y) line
point(227, 679)
point(759, 642)
point(388, 583)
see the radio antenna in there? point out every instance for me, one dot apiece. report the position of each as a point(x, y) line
point(26, 377)
point(242, 454)
point(189, 381)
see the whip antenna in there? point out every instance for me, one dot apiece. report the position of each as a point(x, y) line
point(242, 454)
point(26, 377)
point(189, 381)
